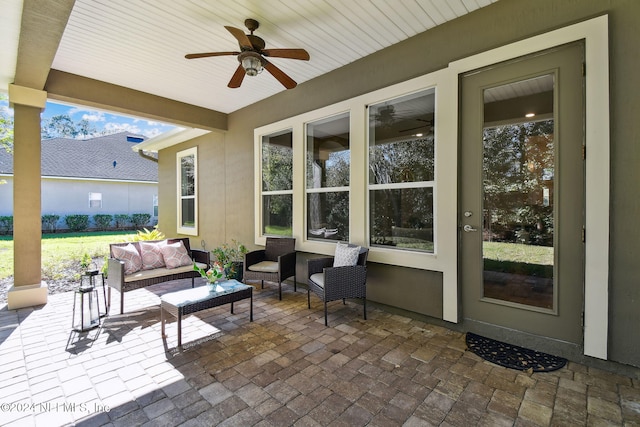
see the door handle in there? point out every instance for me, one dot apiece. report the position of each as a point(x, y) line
point(467, 228)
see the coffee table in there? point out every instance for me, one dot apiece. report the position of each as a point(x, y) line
point(189, 301)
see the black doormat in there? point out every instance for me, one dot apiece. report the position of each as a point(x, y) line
point(512, 356)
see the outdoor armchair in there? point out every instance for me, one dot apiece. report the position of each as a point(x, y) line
point(331, 283)
point(275, 263)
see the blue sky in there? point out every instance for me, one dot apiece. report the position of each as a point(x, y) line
point(107, 121)
point(103, 121)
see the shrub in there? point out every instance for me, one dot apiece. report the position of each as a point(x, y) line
point(139, 220)
point(6, 224)
point(50, 222)
point(77, 222)
point(102, 221)
point(121, 220)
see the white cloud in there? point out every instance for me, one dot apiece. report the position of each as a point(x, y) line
point(113, 127)
point(95, 116)
point(150, 133)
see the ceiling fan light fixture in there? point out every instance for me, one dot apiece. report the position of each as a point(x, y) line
point(251, 62)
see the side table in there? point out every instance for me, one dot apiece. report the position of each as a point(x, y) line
point(181, 303)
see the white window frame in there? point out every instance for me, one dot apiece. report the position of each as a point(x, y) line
point(95, 197)
point(190, 231)
point(358, 182)
point(404, 185)
point(320, 190)
point(154, 205)
point(595, 33)
point(261, 237)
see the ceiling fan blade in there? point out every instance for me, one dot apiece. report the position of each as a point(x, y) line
point(236, 79)
point(287, 53)
point(208, 54)
point(242, 38)
point(276, 72)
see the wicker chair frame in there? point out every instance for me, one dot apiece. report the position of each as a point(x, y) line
point(339, 282)
point(280, 249)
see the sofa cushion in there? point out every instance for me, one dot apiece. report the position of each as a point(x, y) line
point(175, 255)
point(151, 255)
point(130, 256)
point(265, 267)
point(159, 272)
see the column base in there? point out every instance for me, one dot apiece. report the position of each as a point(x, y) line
point(27, 296)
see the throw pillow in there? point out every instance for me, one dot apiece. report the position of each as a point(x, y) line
point(151, 255)
point(130, 256)
point(346, 255)
point(175, 255)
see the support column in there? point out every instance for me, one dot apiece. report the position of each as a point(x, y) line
point(28, 288)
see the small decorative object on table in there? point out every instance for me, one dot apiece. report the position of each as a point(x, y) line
point(214, 274)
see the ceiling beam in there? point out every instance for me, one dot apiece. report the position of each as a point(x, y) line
point(74, 89)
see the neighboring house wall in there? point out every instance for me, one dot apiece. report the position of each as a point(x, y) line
point(6, 196)
point(499, 24)
point(73, 168)
point(64, 197)
point(67, 197)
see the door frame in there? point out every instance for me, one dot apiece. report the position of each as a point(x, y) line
point(596, 274)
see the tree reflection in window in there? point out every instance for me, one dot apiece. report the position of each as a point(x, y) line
point(402, 172)
point(328, 169)
point(277, 179)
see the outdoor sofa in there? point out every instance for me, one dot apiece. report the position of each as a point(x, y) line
point(134, 265)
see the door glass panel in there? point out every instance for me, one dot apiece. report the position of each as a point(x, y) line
point(518, 184)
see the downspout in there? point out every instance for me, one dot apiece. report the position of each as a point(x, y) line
point(146, 156)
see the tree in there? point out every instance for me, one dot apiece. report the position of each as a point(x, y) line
point(59, 126)
point(85, 128)
point(6, 124)
point(518, 167)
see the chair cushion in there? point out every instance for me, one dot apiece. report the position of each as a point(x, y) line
point(130, 256)
point(346, 255)
point(265, 267)
point(152, 255)
point(175, 255)
point(318, 279)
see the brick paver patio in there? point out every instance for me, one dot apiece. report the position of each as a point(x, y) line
point(285, 368)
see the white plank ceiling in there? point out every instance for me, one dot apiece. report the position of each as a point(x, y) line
point(140, 44)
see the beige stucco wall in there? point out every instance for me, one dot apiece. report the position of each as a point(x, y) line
point(213, 181)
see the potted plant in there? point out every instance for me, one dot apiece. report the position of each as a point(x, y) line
point(231, 256)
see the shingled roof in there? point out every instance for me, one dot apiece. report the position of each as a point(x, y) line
point(104, 157)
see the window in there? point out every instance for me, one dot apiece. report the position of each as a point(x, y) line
point(401, 172)
point(155, 205)
point(328, 170)
point(187, 166)
point(277, 183)
point(95, 200)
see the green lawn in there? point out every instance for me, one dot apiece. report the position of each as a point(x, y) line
point(516, 258)
point(61, 251)
point(515, 252)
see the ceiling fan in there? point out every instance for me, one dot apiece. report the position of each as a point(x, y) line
point(252, 56)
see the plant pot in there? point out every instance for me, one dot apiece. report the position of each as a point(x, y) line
point(235, 271)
